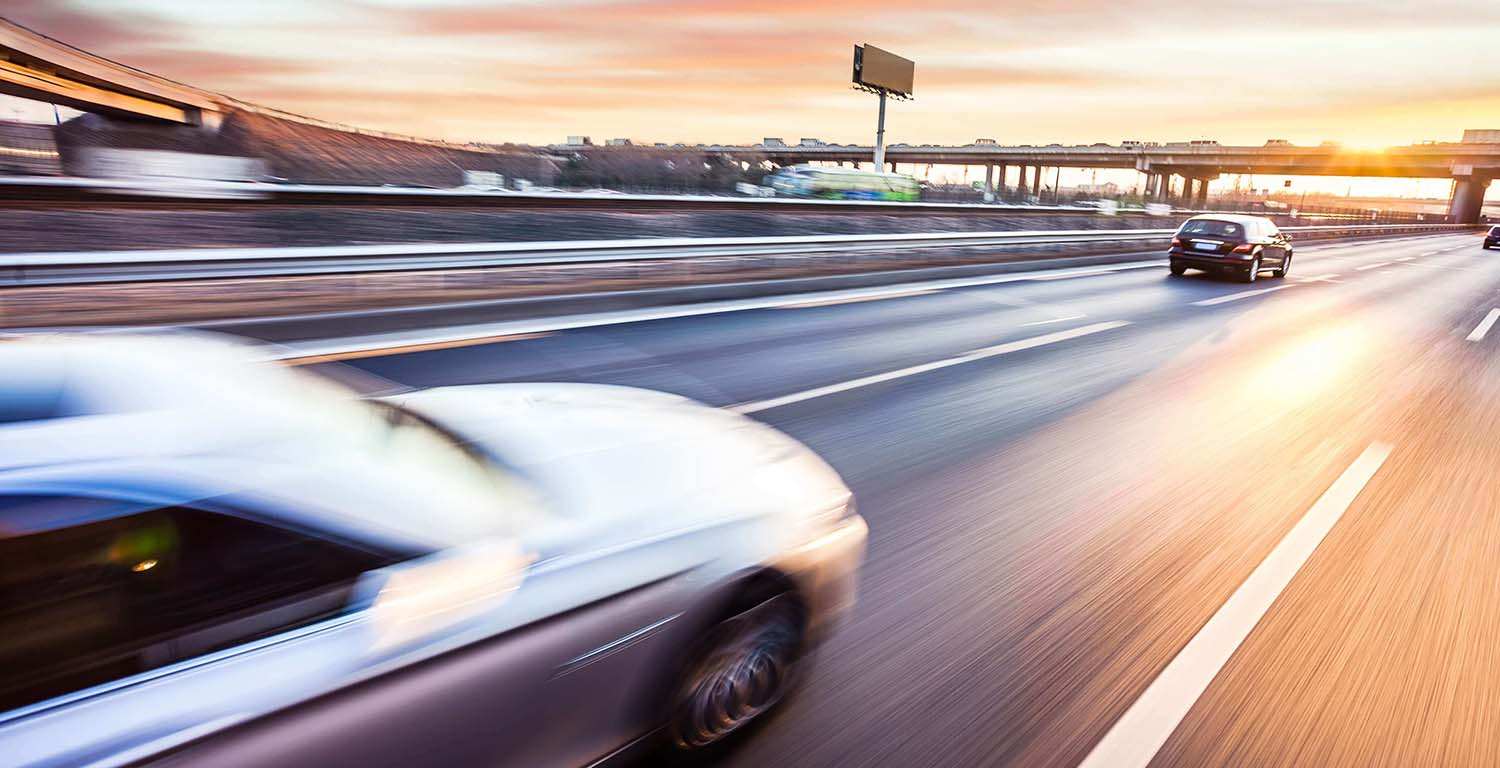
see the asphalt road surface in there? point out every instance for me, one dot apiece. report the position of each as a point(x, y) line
point(1119, 518)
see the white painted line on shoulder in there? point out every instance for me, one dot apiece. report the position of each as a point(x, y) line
point(1134, 739)
point(1053, 320)
point(855, 299)
point(1481, 330)
point(461, 333)
point(1241, 295)
point(968, 357)
point(1376, 265)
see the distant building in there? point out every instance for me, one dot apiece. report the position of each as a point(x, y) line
point(985, 142)
point(1278, 143)
point(1482, 136)
point(580, 141)
point(618, 143)
point(772, 141)
point(810, 143)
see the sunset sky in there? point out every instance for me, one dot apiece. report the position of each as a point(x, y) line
point(1020, 71)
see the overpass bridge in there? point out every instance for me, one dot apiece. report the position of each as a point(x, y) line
point(34, 66)
point(1173, 171)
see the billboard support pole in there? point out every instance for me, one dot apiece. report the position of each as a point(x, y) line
point(880, 136)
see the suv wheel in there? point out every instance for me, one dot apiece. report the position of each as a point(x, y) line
point(1285, 268)
point(1251, 273)
point(1178, 269)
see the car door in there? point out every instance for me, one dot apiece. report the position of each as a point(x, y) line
point(1276, 244)
point(127, 628)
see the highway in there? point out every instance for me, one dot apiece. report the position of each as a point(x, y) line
point(1119, 518)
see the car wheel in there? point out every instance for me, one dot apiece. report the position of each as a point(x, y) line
point(1285, 268)
point(1252, 273)
point(1177, 269)
point(743, 668)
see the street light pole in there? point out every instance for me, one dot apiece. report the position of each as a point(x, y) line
point(880, 136)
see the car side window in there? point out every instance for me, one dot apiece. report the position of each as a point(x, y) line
point(93, 590)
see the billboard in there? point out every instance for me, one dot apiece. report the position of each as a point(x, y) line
point(882, 70)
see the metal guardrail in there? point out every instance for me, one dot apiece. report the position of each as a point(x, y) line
point(89, 192)
point(84, 267)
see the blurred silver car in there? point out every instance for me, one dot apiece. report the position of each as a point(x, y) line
point(206, 559)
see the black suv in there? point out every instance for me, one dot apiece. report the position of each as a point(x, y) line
point(1239, 245)
point(1492, 238)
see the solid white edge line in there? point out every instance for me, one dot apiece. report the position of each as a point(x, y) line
point(1483, 329)
point(1053, 320)
point(1376, 265)
point(1135, 738)
point(967, 357)
point(460, 333)
point(1241, 295)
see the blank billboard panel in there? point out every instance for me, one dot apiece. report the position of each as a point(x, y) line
point(883, 70)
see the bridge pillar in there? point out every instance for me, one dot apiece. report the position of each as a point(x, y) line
point(1468, 199)
point(1200, 201)
point(989, 183)
point(1036, 189)
point(1000, 181)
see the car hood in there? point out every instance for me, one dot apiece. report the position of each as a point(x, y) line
point(601, 452)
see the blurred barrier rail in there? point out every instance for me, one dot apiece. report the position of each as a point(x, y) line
point(72, 191)
point(86, 267)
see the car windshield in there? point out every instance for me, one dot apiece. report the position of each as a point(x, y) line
point(469, 496)
point(1213, 227)
point(293, 420)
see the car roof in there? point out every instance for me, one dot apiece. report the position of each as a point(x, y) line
point(1237, 218)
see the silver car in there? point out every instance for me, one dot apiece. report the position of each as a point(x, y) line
point(209, 559)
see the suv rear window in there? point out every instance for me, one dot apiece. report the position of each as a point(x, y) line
point(1213, 227)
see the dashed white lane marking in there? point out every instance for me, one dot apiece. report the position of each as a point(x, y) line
point(1134, 739)
point(1240, 295)
point(967, 357)
point(1328, 278)
point(1406, 258)
point(1485, 325)
point(1376, 265)
point(1053, 320)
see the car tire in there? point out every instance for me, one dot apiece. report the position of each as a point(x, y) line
point(743, 667)
point(1177, 269)
point(1252, 272)
point(1285, 268)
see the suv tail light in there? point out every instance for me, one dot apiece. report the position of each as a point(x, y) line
point(1176, 242)
point(1246, 248)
